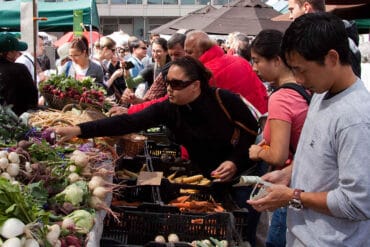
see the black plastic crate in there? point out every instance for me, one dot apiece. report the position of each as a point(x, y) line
point(138, 227)
point(130, 192)
point(158, 134)
point(166, 151)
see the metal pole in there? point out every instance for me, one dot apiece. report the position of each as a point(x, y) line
point(91, 36)
point(35, 35)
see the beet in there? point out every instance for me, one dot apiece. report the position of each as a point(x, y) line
point(73, 240)
point(24, 144)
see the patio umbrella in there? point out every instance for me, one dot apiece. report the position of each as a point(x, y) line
point(246, 16)
point(189, 21)
point(120, 37)
point(68, 37)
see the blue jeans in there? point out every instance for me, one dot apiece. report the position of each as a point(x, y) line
point(276, 236)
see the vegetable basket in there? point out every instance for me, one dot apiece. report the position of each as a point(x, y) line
point(133, 144)
point(59, 103)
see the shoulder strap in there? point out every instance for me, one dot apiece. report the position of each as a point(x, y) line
point(299, 89)
point(69, 63)
point(229, 116)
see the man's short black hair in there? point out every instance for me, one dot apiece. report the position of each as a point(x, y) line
point(312, 35)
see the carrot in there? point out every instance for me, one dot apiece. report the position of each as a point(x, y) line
point(172, 176)
point(181, 204)
point(199, 221)
point(192, 179)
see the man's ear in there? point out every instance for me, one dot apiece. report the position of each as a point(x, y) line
point(307, 7)
point(332, 58)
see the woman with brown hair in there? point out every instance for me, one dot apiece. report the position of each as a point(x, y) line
point(81, 65)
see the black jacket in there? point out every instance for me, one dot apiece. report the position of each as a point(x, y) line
point(17, 87)
point(201, 126)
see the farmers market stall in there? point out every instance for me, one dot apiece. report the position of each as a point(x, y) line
point(56, 195)
point(157, 197)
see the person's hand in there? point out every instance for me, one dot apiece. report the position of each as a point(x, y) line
point(225, 172)
point(117, 74)
point(278, 177)
point(128, 96)
point(117, 110)
point(66, 133)
point(277, 196)
point(254, 150)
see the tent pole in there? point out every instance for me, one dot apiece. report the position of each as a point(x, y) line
point(91, 36)
point(35, 35)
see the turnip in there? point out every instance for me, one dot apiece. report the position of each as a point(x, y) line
point(12, 242)
point(98, 204)
point(11, 228)
point(31, 243)
point(4, 154)
point(80, 158)
point(13, 157)
point(13, 169)
point(96, 181)
point(4, 162)
point(72, 168)
point(160, 239)
point(101, 192)
point(53, 234)
point(6, 175)
point(73, 177)
point(28, 167)
point(173, 238)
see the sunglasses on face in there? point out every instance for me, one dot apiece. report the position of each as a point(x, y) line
point(178, 84)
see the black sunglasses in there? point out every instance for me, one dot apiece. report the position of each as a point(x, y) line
point(178, 84)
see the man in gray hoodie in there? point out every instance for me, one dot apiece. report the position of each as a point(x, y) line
point(329, 191)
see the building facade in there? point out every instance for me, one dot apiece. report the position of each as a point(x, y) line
point(138, 17)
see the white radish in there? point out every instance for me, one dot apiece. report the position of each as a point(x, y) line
point(6, 175)
point(4, 154)
point(11, 228)
point(96, 181)
point(13, 157)
point(73, 177)
point(12, 242)
point(13, 169)
point(4, 162)
point(101, 192)
point(31, 243)
point(53, 235)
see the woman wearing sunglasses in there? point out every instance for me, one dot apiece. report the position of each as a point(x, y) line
point(195, 118)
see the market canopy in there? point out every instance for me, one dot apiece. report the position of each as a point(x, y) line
point(358, 12)
point(59, 15)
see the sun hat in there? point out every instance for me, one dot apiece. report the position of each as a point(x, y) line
point(63, 51)
point(8, 42)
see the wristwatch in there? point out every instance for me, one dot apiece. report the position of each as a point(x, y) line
point(295, 202)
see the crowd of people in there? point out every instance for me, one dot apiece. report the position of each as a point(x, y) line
point(211, 95)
